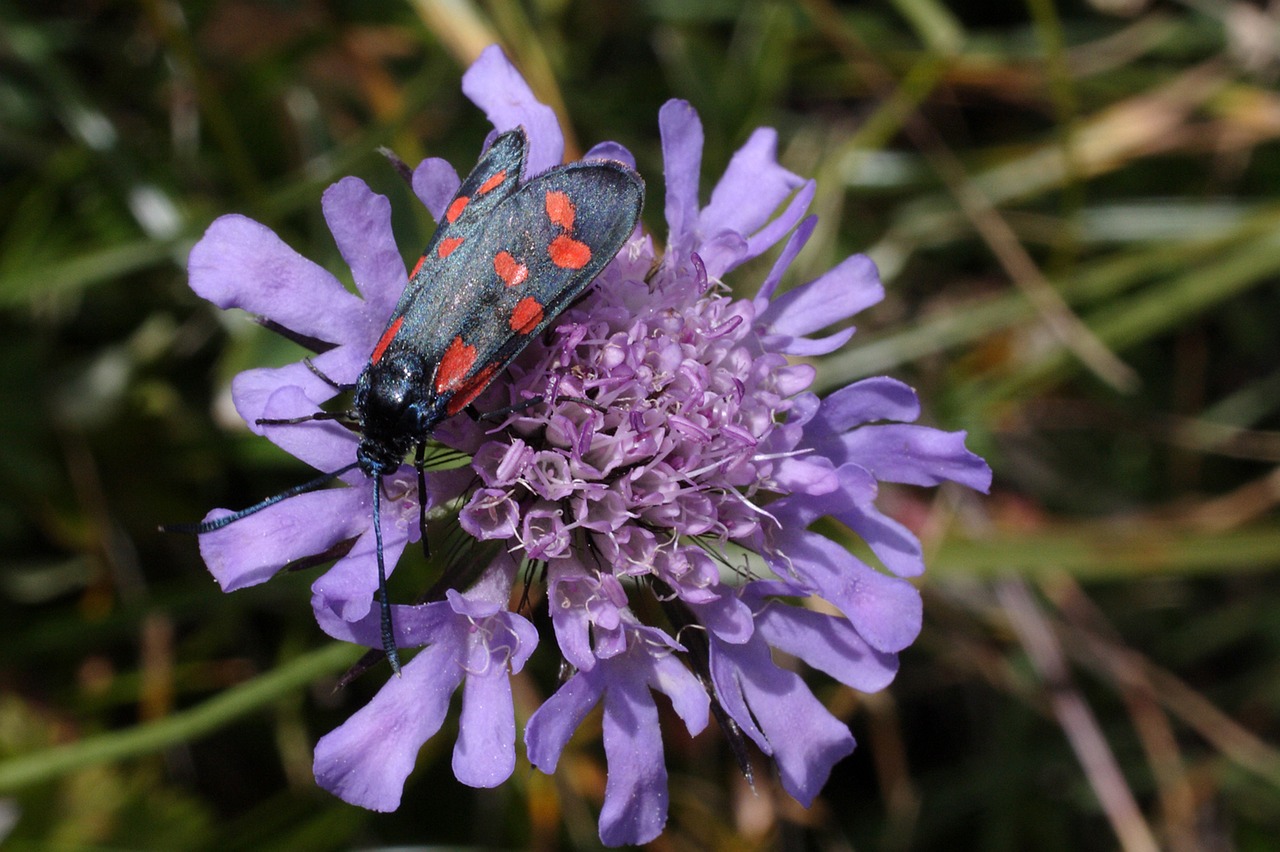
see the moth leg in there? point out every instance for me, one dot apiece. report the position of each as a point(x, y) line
point(497, 414)
point(318, 373)
point(343, 417)
point(419, 461)
point(583, 401)
point(500, 413)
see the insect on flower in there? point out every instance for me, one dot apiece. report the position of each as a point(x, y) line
point(507, 258)
point(680, 433)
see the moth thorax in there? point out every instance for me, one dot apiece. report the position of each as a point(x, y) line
point(390, 403)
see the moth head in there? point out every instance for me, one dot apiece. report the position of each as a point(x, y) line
point(390, 401)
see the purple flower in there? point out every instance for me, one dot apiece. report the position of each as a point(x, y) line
point(700, 443)
point(470, 639)
point(635, 798)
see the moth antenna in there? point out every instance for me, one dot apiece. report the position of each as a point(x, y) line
point(319, 374)
point(218, 523)
point(384, 603)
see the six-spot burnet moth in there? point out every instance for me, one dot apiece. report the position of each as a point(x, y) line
point(506, 259)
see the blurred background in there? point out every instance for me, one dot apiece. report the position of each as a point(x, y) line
point(1076, 211)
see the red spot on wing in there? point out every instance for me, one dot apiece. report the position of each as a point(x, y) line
point(526, 316)
point(454, 366)
point(468, 390)
point(417, 266)
point(447, 245)
point(455, 209)
point(560, 209)
point(492, 183)
point(512, 272)
point(568, 253)
point(388, 335)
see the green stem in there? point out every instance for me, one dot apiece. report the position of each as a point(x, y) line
point(37, 767)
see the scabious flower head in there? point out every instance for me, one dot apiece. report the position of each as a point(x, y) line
point(677, 439)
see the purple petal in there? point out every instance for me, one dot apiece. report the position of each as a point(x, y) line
point(366, 760)
point(803, 737)
point(681, 132)
point(885, 610)
point(323, 444)
point(673, 679)
point(524, 640)
point(415, 626)
point(474, 607)
point(790, 251)
point(806, 347)
point(488, 598)
point(493, 84)
point(240, 263)
point(611, 151)
point(490, 514)
point(798, 511)
point(435, 183)
point(808, 474)
point(722, 251)
point(254, 548)
point(836, 295)
point(852, 503)
point(727, 617)
point(792, 379)
point(765, 238)
point(635, 795)
point(445, 486)
point(360, 220)
point(568, 596)
point(879, 398)
point(752, 188)
point(893, 544)
point(825, 642)
point(915, 455)
point(251, 389)
point(552, 725)
point(485, 752)
point(347, 588)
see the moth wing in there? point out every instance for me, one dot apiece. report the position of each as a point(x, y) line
point(606, 199)
point(495, 178)
point(533, 255)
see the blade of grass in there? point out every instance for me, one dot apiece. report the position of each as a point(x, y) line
point(1111, 552)
point(217, 712)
